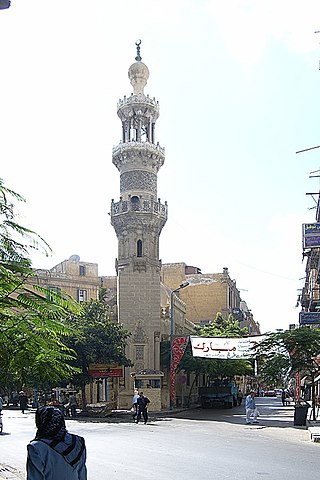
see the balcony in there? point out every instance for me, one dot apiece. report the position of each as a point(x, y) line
point(143, 206)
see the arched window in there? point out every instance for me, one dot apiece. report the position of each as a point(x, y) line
point(135, 203)
point(139, 248)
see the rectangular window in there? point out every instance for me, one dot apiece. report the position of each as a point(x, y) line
point(139, 352)
point(138, 384)
point(82, 295)
point(82, 270)
point(55, 290)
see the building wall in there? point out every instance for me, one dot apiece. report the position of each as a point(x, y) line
point(207, 294)
point(76, 278)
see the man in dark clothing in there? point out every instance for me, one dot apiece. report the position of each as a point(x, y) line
point(142, 407)
point(23, 400)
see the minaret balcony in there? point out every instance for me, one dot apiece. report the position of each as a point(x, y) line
point(124, 154)
point(137, 104)
point(148, 147)
point(141, 207)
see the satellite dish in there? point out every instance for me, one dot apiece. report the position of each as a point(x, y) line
point(74, 258)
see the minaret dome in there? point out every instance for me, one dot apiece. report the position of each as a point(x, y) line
point(138, 73)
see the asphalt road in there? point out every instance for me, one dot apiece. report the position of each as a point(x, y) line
point(211, 444)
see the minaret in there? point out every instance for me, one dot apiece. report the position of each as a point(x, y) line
point(138, 218)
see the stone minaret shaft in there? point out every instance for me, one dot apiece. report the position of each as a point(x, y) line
point(138, 218)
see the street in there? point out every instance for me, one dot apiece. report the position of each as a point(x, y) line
point(187, 445)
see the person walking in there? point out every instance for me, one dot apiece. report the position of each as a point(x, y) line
point(73, 405)
point(54, 453)
point(142, 407)
point(251, 410)
point(23, 401)
point(134, 407)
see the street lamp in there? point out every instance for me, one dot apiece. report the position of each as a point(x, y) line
point(176, 290)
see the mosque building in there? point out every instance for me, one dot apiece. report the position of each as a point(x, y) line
point(143, 292)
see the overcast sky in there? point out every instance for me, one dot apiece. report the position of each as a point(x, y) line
point(238, 87)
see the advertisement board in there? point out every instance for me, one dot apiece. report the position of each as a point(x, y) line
point(309, 318)
point(102, 370)
point(311, 235)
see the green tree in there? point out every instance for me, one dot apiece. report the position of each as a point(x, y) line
point(97, 340)
point(274, 370)
point(216, 368)
point(223, 328)
point(299, 346)
point(31, 327)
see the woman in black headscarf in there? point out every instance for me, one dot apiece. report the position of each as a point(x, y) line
point(55, 454)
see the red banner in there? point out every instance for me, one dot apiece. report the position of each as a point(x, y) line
point(177, 350)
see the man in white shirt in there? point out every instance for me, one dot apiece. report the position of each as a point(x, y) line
point(134, 406)
point(251, 410)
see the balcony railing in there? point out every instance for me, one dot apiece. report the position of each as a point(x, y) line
point(150, 148)
point(142, 206)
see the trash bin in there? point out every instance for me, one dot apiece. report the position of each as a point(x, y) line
point(300, 415)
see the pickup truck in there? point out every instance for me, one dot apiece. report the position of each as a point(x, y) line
point(219, 395)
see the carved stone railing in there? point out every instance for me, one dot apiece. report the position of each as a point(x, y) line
point(138, 99)
point(130, 147)
point(143, 206)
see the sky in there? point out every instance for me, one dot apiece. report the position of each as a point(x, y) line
point(237, 83)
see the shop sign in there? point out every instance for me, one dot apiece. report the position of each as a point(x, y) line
point(102, 370)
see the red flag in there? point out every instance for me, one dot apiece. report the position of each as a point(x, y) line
point(177, 350)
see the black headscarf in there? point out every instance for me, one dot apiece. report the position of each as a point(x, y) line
point(50, 423)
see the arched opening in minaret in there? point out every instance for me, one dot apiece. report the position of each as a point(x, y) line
point(135, 203)
point(138, 129)
point(139, 248)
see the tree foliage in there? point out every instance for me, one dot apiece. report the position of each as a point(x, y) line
point(292, 351)
point(274, 370)
point(300, 346)
point(97, 339)
point(31, 318)
point(222, 327)
point(217, 368)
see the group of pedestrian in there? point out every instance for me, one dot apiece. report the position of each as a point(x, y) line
point(55, 453)
point(23, 401)
point(140, 407)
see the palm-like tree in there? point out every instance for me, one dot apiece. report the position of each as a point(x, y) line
point(31, 320)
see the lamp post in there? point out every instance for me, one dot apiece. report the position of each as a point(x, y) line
point(176, 290)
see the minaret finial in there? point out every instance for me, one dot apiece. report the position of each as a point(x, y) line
point(138, 58)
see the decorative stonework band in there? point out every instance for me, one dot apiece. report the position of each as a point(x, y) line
point(138, 180)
